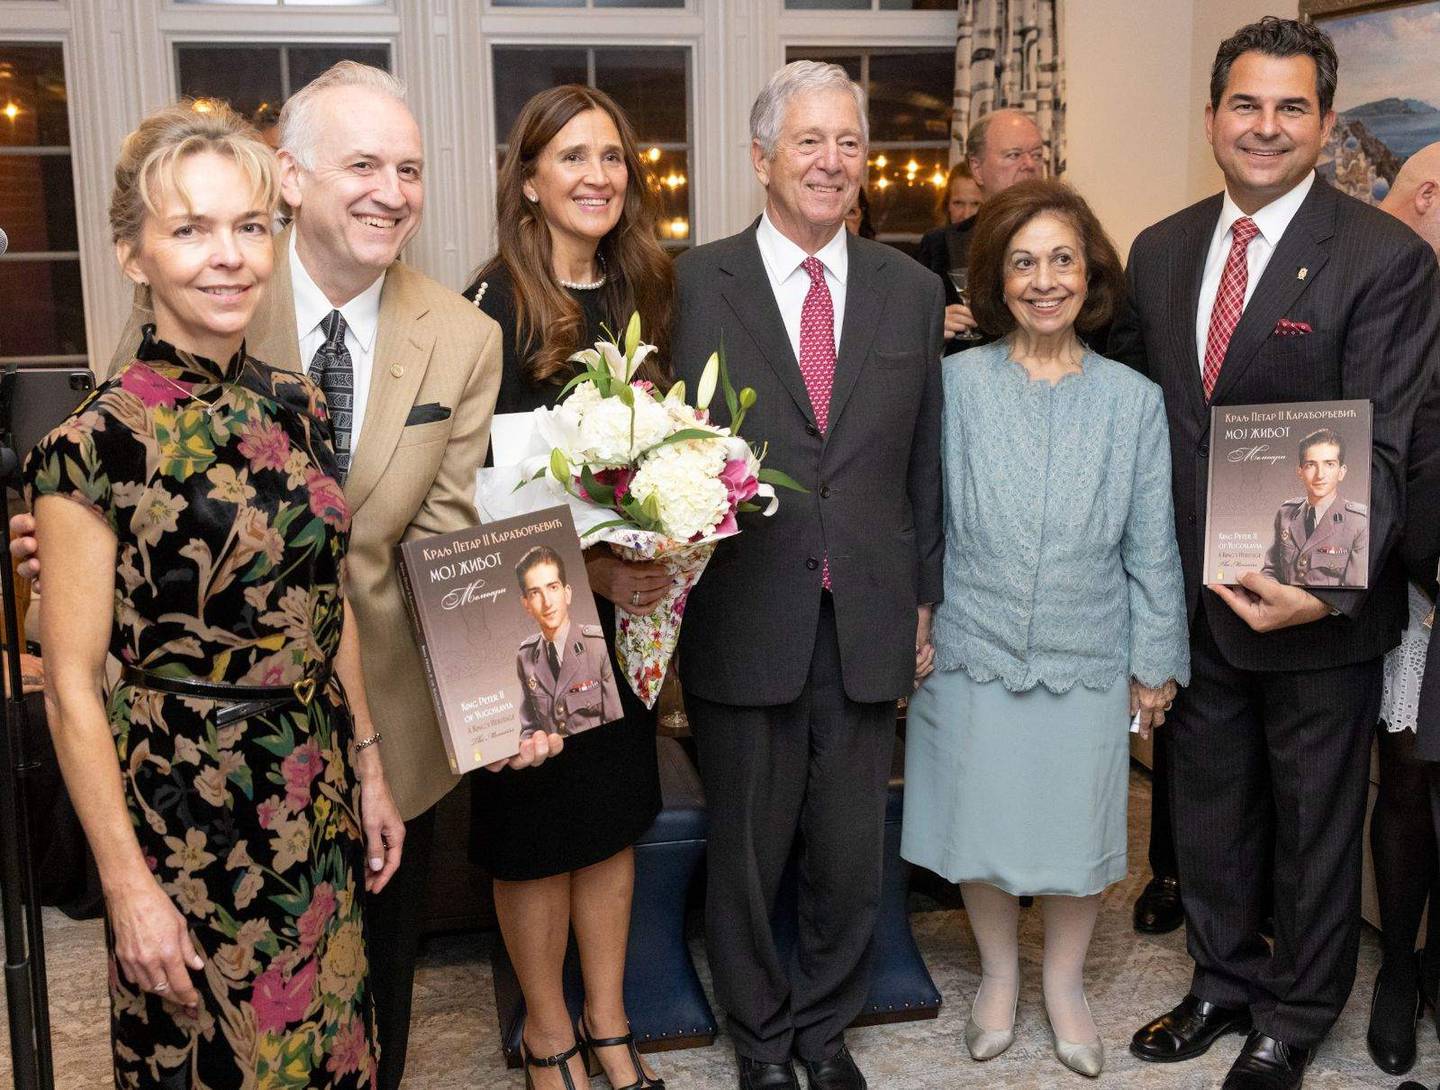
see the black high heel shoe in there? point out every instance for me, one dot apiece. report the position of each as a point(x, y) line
point(560, 1060)
point(594, 1067)
point(1393, 1017)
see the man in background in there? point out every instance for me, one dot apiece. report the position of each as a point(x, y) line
point(1414, 199)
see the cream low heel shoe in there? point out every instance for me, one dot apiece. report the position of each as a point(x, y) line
point(986, 1044)
point(1086, 1059)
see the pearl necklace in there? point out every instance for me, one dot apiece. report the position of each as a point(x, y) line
point(600, 283)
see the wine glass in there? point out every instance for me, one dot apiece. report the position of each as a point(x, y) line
point(960, 278)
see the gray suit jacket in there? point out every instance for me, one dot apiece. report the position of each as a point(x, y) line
point(873, 505)
point(1366, 285)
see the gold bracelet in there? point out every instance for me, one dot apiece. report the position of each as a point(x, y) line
point(367, 742)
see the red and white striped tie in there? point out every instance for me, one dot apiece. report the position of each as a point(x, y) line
point(1229, 302)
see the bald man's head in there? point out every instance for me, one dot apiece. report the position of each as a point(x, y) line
point(1005, 147)
point(1414, 199)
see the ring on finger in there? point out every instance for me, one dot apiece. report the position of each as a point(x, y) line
point(1168, 705)
point(634, 597)
point(160, 986)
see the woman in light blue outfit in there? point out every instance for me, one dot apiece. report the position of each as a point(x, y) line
point(1063, 616)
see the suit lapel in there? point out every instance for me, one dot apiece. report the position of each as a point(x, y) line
point(1187, 271)
point(1301, 247)
point(746, 290)
point(865, 296)
point(272, 336)
point(403, 348)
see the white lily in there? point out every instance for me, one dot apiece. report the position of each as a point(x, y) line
point(708, 378)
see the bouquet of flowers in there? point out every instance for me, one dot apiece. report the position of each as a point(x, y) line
point(654, 477)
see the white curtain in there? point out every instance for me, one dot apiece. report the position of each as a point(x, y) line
point(1008, 54)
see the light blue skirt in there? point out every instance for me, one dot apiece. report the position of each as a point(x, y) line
point(1024, 791)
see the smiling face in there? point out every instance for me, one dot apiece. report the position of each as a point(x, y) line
point(1320, 471)
point(206, 259)
point(1045, 276)
point(964, 200)
point(546, 598)
point(579, 182)
point(360, 202)
point(1268, 130)
point(814, 174)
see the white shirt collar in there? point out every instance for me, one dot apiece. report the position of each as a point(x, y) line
point(782, 257)
point(1274, 217)
point(361, 314)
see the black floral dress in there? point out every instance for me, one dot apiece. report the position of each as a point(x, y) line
point(220, 485)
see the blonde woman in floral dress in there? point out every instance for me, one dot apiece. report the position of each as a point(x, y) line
point(194, 616)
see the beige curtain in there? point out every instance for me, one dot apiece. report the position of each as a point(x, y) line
point(1008, 54)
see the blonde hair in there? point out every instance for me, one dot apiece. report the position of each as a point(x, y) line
point(150, 156)
point(298, 134)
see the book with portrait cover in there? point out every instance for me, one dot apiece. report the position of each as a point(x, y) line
point(1289, 493)
point(509, 634)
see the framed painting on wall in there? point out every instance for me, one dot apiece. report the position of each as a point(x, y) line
point(1388, 98)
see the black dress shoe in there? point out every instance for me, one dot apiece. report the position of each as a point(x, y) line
point(1411, 1084)
point(759, 1075)
point(1158, 910)
point(837, 1073)
point(1395, 1006)
point(1187, 1031)
point(1267, 1064)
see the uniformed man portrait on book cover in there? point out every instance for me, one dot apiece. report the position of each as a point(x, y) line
point(1321, 539)
point(564, 669)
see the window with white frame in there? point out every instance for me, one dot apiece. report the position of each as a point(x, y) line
point(871, 5)
point(43, 317)
point(910, 93)
point(652, 85)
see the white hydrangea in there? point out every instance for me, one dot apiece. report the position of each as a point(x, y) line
point(685, 480)
point(605, 429)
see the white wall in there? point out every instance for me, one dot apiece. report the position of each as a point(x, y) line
point(1137, 77)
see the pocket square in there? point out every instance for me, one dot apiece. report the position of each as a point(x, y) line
point(428, 413)
point(1286, 327)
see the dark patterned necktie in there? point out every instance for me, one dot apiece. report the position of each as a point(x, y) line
point(335, 373)
point(554, 657)
point(1309, 522)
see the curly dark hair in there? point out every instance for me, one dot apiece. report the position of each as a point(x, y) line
point(1276, 37)
point(1002, 216)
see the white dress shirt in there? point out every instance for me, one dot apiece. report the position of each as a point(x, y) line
point(362, 323)
point(1272, 220)
point(790, 283)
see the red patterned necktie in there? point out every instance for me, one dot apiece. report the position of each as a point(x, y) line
point(817, 353)
point(1229, 302)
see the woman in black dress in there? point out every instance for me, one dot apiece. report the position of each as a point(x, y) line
point(577, 251)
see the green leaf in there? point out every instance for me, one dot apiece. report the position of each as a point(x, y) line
point(607, 526)
point(626, 393)
point(781, 480)
point(602, 494)
point(684, 435)
point(731, 401)
point(583, 376)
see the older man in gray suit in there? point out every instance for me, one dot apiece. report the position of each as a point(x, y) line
point(808, 626)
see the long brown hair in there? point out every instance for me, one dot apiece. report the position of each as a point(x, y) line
point(638, 271)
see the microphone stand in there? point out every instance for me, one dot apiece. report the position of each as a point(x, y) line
point(25, 987)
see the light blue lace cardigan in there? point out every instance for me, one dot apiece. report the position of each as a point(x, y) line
point(1060, 557)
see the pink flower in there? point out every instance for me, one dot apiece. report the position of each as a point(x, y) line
point(279, 1002)
point(268, 811)
point(299, 768)
point(727, 525)
point(644, 384)
point(327, 500)
point(739, 484)
point(313, 920)
point(265, 444)
point(349, 1050)
point(152, 388)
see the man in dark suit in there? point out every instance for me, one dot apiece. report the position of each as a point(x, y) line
point(1269, 745)
point(809, 625)
point(1003, 147)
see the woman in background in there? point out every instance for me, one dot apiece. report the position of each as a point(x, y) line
point(1063, 612)
point(577, 252)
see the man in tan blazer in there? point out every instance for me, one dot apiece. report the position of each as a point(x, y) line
point(426, 368)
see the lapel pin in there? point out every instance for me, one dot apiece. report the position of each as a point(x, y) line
point(397, 370)
point(1301, 274)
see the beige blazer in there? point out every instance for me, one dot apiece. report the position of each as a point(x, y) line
point(433, 346)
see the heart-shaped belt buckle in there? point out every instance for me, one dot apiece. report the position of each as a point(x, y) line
point(304, 690)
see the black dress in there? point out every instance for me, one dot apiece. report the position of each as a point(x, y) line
point(603, 790)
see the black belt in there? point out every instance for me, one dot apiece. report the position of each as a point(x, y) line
point(243, 700)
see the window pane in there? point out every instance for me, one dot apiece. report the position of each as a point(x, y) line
point(639, 3)
point(309, 61)
point(539, 3)
point(918, 5)
point(827, 5)
point(52, 321)
point(32, 96)
point(247, 77)
point(521, 72)
point(670, 178)
point(37, 203)
point(911, 95)
point(650, 86)
point(850, 62)
point(904, 189)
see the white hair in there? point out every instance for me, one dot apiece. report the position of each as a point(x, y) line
point(800, 77)
point(298, 133)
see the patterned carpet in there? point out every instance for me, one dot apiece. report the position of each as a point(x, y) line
point(1131, 977)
